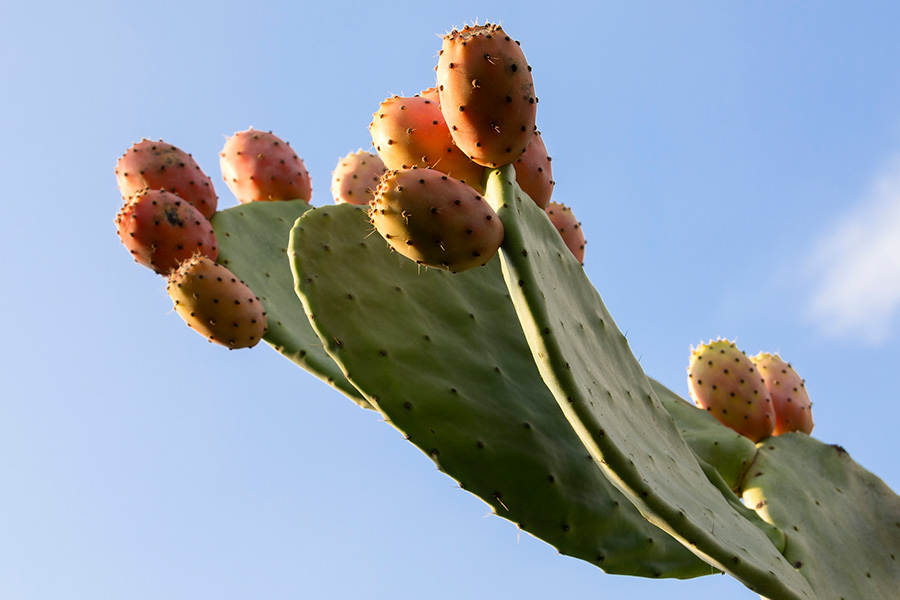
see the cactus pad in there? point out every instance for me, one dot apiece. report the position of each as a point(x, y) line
point(842, 523)
point(585, 361)
point(442, 356)
point(253, 244)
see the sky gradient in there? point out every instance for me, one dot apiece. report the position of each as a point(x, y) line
point(736, 170)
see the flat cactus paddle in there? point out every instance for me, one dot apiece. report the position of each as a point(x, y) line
point(842, 523)
point(585, 361)
point(725, 449)
point(443, 357)
point(253, 244)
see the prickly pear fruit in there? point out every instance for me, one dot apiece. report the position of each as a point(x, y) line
point(568, 227)
point(533, 172)
point(724, 381)
point(161, 230)
point(431, 94)
point(216, 304)
point(435, 220)
point(355, 178)
point(793, 409)
point(162, 166)
point(487, 94)
point(260, 166)
point(411, 132)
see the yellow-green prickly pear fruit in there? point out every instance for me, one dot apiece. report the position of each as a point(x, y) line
point(435, 220)
point(216, 304)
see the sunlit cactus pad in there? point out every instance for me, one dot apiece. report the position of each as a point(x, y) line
point(842, 523)
point(443, 358)
point(585, 361)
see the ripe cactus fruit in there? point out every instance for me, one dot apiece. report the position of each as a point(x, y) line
point(568, 227)
point(793, 409)
point(355, 178)
point(435, 220)
point(533, 172)
point(431, 94)
point(724, 381)
point(260, 166)
point(487, 94)
point(216, 304)
point(161, 230)
point(162, 166)
point(411, 132)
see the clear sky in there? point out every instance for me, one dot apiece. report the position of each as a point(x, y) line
point(736, 168)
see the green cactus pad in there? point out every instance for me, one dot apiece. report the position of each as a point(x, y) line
point(723, 454)
point(728, 451)
point(252, 244)
point(443, 357)
point(841, 522)
point(586, 362)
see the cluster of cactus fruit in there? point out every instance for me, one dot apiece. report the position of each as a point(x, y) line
point(508, 377)
point(165, 225)
point(757, 396)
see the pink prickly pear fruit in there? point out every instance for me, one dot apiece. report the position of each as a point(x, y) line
point(161, 230)
point(487, 94)
point(216, 304)
point(724, 381)
point(533, 172)
point(435, 220)
point(568, 227)
point(411, 132)
point(162, 166)
point(793, 409)
point(259, 166)
point(356, 177)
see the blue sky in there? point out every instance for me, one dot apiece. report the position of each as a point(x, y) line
point(736, 169)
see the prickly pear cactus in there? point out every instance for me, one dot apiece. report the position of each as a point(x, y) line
point(513, 377)
point(443, 358)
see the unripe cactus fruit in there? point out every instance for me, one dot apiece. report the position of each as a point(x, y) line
point(216, 304)
point(161, 230)
point(533, 172)
point(435, 220)
point(487, 94)
point(260, 166)
point(411, 132)
point(355, 178)
point(162, 166)
point(724, 381)
point(793, 409)
point(568, 227)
